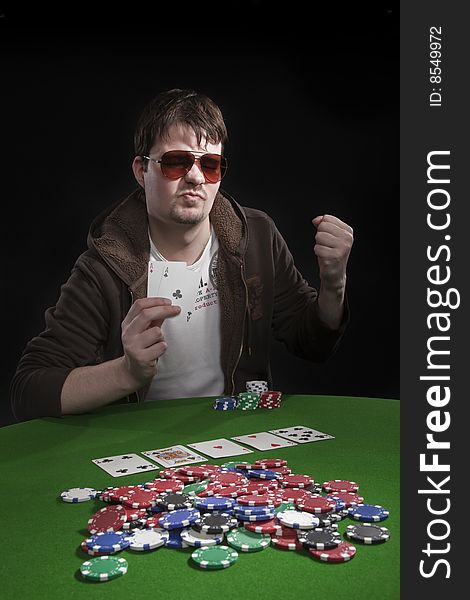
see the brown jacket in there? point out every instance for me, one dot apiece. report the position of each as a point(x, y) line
point(260, 291)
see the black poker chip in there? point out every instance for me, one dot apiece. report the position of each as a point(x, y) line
point(319, 538)
point(170, 501)
point(367, 533)
point(215, 523)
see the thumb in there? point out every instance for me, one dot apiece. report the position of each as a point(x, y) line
point(317, 220)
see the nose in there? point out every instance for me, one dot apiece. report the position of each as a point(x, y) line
point(195, 174)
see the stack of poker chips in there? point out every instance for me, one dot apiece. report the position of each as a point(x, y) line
point(220, 511)
point(225, 403)
point(270, 399)
point(247, 401)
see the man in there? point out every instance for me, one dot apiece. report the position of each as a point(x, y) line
point(106, 342)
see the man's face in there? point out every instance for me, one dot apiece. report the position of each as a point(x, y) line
point(188, 200)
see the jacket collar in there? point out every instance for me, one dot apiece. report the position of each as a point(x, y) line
point(120, 236)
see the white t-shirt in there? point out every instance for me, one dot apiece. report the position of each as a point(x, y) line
point(191, 364)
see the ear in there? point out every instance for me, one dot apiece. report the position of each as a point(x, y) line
point(138, 169)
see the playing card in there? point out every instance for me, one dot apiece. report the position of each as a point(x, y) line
point(302, 434)
point(174, 456)
point(124, 464)
point(219, 448)
point(263, 441)
point(173, 280)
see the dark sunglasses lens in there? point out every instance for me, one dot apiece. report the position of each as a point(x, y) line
point(176, 164)
point(213, 167)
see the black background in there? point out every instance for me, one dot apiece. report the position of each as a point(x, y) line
point(326, 85)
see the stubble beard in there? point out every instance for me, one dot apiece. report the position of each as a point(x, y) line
point(186, 216)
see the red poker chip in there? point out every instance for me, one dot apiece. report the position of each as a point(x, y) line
point(256, 500)
point(165, 485)
point(256, 489)
point(270, 463)
point(296, 481)
point(281, 470)
point(316, 504)
point(109, 518)
point(340, 485)
point(273, 527)
point(287, 540)
point(342, 553)
point(133, 514)
point(231, 491)
point(199, 470)
point(229, 478)
point(140, 499)
point(349, 498)
point(292, 494)
point(173, 473)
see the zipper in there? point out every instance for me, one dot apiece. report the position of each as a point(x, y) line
point(243, 331)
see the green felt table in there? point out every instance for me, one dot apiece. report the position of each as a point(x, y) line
point(41, 552)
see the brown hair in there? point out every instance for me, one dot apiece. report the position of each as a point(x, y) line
point(179, 106)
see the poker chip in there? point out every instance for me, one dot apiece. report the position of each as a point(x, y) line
point(342, 553)
point(199, 470)
point(200, 539)
point(214, 557)
point(215, 523)
point(298, 519)
point(142, 540)
point(214, 503)
point(240, 509)
point(107, 542)
point(87, 550)
point(170, 501)
point(340, 485)
point(78, 494)
point(174, 538)
point(228, 478)
point(104, 568)
point(256, 518)
point(348, 498)
point(296, 481)
point(248, 541)
point(139, 498)
point(316, 504)
point(109, 518)
point(193, 489)
point(183, 517)
point(292, 495)
point(286, 506)
point(262, 474)
point(132, 514)
point(368, 533)
point(269, 463)
point(271, 526)
point(339, 504)
point(368, 512)
point(319, 538)
point(286, 540)
point(255, 500)
point(170, 486)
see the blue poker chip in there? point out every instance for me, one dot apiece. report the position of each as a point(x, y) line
point(368, 512)
point(108, 542)
point(214, 503)
point(182, 517)
point(240, 509)
point(174, 540)
point(340, 504)
point(262, 474)
point(260, 517)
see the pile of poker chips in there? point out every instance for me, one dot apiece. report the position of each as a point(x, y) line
point(256, 396)
point(221, 511)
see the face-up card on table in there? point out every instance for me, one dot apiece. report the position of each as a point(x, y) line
point(124, 464)
point(174, 456)
point(263, 441)
point(174, 280)
point(220, 448)
point(302, 434)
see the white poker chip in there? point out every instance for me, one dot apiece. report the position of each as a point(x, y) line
point(147, 539)
point(201, 538)
point(78, 494)
point(257, 386)
point(298, 519)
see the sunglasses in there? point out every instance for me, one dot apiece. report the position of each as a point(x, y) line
point(176, 163)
